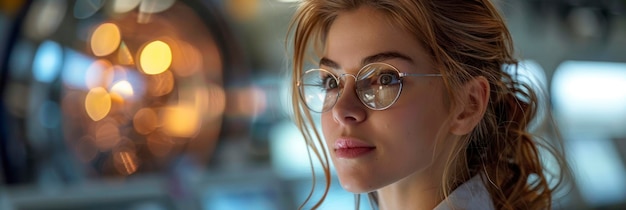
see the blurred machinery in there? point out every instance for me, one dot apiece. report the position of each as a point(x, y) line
point(97, 92)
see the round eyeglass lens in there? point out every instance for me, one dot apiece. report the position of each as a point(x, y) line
point(319, 89)
point(378, 85)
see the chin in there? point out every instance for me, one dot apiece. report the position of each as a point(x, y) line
point(356, 187)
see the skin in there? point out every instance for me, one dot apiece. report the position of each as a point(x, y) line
point(404, 163)
point(407, 164)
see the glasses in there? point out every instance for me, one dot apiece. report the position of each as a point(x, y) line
point(378, 86)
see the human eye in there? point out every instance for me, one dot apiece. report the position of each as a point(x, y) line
point(327, 82)
point(330, 82)
point(388, 77)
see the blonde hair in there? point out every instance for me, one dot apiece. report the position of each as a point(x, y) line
point(465, 39)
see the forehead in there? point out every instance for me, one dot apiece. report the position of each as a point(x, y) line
point(357, 34)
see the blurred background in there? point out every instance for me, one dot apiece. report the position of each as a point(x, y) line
point(164, 104)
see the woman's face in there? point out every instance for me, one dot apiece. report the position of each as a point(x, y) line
point(373, 149)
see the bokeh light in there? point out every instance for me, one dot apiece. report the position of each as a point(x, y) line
point(124, 57)
point(99, 74)
point(97, 103)
point(181, 120)
point(187, 60)
point(123, 88)
point(105, 39)
point(47, 62)
point(125, 157)
point(155, 57)
point(107, 135)
point(122, 6)
point(44, 18)
point(145, 121)
point(132, 95)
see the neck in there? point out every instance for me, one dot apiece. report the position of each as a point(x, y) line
point(417, 191)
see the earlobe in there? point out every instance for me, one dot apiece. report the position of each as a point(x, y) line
point(471, 108)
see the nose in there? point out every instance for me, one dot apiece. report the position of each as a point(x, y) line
point(349, 109)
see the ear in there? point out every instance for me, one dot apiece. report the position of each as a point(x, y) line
point(472, 105)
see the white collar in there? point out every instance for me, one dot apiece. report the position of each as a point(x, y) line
point(469, 196)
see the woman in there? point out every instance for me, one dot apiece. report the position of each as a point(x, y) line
point(416, 109)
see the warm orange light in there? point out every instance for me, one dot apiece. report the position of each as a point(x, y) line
point(187, 60)
point(181, 120)
point(155, 58)
point(160, 84)
point(124, 56)
point(105, 39)
point(124, 156)
point(145, 121)
point(125, 162)
point(159, 144)
point(123, 88)
point(99, 74)
point(97, 103)
point(107, 136)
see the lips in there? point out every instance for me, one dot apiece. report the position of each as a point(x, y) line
point(352, 148)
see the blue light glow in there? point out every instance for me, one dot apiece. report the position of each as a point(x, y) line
point(48, 61)
point(76, 64)
point(600, 175)
point(591, 96)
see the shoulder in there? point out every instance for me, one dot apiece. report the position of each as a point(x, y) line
point(469, 196)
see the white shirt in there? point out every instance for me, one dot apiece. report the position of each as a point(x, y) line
point(471, 195)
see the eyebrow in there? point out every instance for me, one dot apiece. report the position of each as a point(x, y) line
point(378, 57)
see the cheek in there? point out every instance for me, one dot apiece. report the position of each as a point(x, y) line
point(328, 125)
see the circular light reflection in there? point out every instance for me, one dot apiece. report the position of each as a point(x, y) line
point(123, 88)
point(48, 61)
point(107, 136)
point(155, 57)
point(97, 103)
point(105, 39)
point(99, 74)
point(145, 121)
